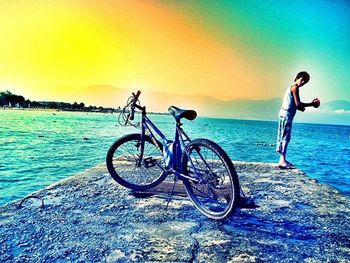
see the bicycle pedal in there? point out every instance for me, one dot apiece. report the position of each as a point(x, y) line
point(149, 162)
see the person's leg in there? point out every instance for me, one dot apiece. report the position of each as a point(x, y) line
point(283, 138)
point(279, 135)
point(287, 137)
point(280, 145)
point(282, 160)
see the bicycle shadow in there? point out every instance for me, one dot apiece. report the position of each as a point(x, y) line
point(168, 190)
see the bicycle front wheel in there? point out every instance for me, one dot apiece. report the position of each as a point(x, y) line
point(214, 186)
point(134, 168)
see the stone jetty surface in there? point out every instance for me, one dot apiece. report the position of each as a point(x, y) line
point(90, 218)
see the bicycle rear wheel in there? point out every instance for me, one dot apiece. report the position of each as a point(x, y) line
point(125, 166)
point(214, 189)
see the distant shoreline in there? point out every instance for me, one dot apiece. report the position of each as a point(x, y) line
point(71, 110)
point(165, 113)
point(57, 110)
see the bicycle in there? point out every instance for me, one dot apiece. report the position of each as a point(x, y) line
point(139, 161)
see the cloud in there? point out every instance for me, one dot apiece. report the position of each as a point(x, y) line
point(342, 111)
point(339, 106)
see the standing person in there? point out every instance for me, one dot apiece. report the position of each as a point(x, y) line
point(291, 103)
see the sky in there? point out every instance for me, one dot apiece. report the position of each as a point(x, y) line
point(227, 50)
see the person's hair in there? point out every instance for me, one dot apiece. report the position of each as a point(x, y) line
point(304, 75)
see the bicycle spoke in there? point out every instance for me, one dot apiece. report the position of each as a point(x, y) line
point(131, 166)
point(212, 190)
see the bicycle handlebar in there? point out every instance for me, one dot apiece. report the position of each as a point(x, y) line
point(136, 97)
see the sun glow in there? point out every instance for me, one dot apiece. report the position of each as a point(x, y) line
point(65, 45)
point(52, 49)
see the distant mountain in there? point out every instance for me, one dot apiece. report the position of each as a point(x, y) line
point(337, 105)
point(208, 106)
point(247, 109)
point(337, 111)
point(333, 112)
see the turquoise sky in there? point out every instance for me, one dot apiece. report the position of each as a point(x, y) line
point(284, 37)
point(59, 50)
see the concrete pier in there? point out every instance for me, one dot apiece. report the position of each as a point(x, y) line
point(90, 218)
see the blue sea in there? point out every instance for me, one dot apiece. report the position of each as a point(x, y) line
point(38, 148)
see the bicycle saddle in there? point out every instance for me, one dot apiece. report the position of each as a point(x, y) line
point(180, 113)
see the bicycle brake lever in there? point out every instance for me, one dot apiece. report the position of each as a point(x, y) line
point(127, 120)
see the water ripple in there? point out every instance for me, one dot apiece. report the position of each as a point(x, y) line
point(38, 148)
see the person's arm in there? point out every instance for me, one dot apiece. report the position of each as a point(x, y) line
point(300, 105)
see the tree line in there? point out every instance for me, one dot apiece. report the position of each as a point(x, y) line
point(8, 99)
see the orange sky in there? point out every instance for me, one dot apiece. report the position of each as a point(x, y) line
point(49, 47)
point(58, 50)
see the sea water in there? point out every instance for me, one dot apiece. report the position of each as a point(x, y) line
point(38, 148)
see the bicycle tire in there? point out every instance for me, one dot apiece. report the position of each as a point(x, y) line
point(122, 162)
point(217, 193)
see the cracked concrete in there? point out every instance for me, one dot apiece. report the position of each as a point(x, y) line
point(90, 218)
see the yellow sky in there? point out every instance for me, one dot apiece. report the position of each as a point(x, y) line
point(50, 47)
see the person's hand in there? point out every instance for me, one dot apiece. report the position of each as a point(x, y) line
point(316, 103)
point(300, 107)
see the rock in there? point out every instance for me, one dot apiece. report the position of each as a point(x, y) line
point(90, 218)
